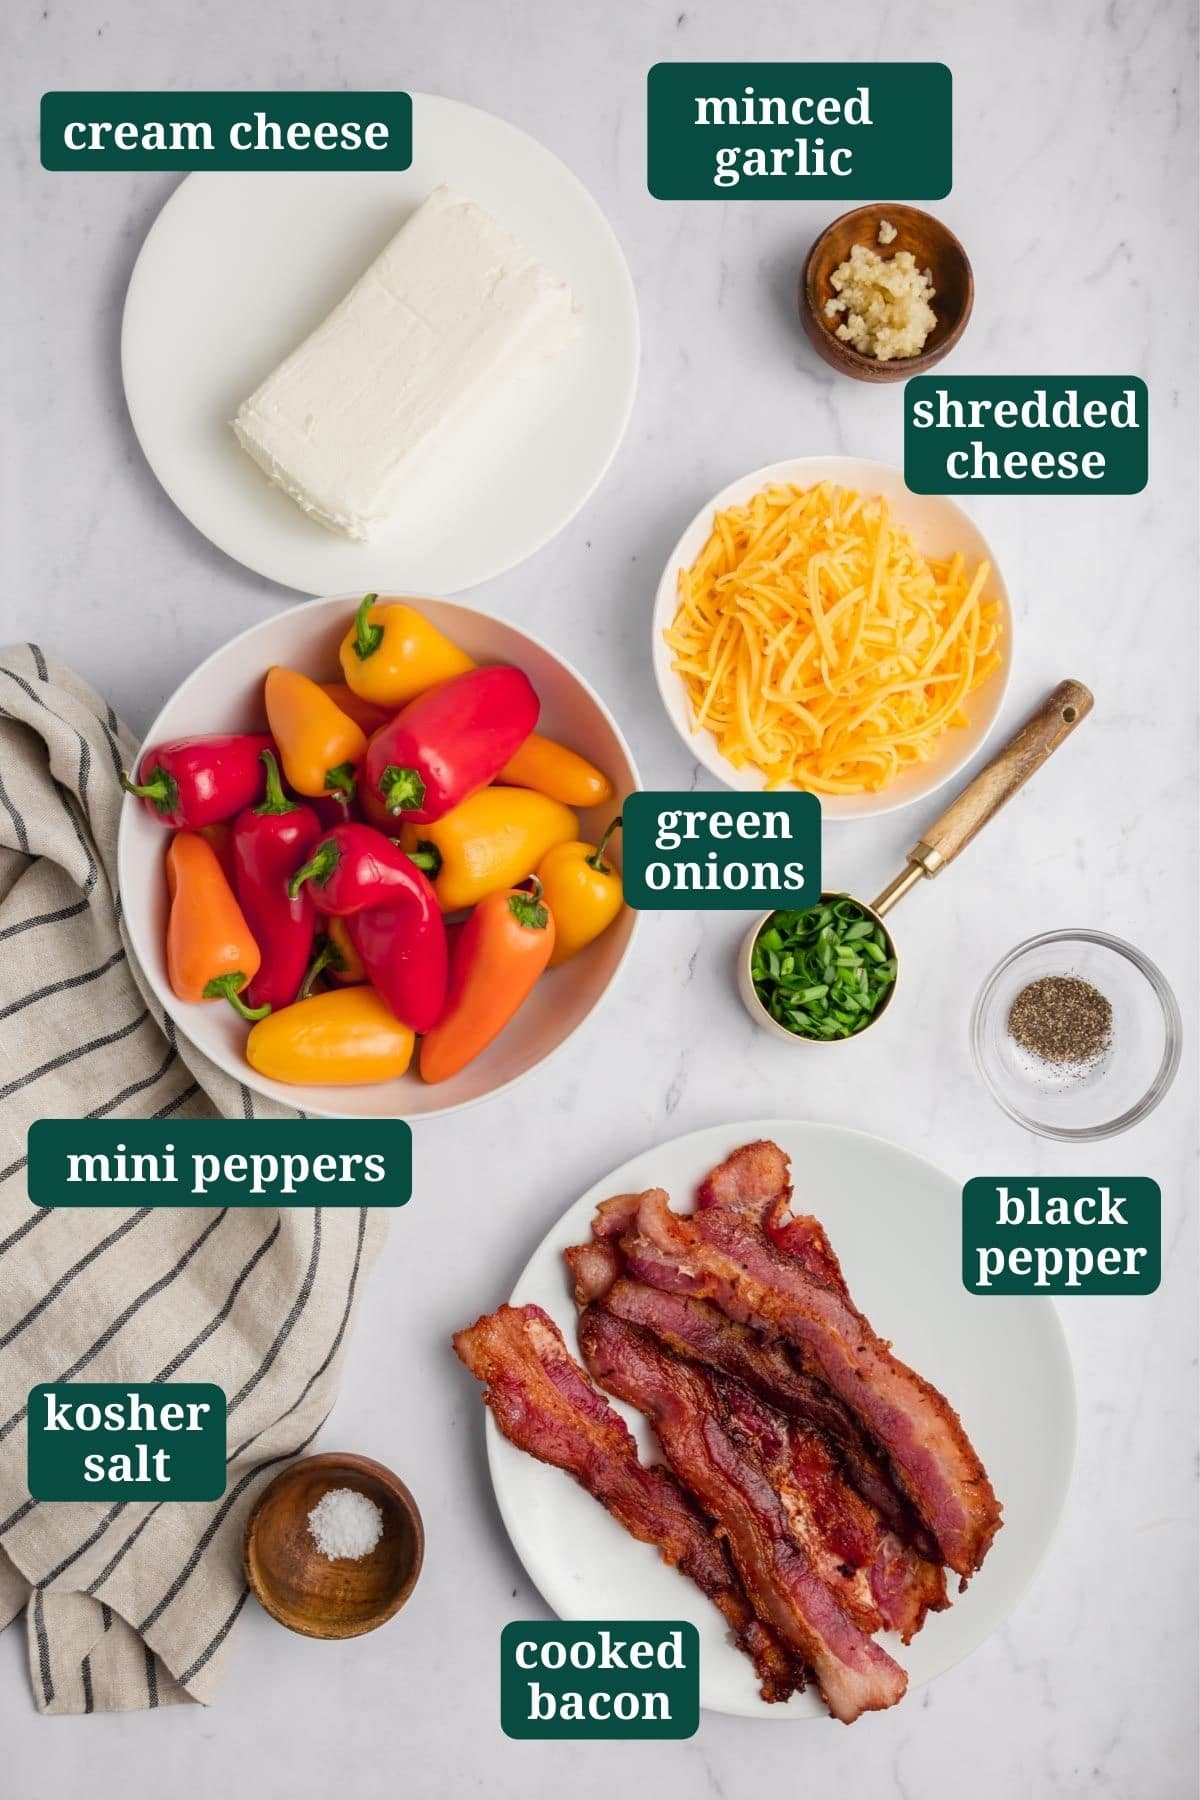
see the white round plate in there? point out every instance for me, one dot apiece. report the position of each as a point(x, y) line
point(893, 1220)
point(238, 268)
point(225, 694)
point(938, 527)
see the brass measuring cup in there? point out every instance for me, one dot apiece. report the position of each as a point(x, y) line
point(1011, 767)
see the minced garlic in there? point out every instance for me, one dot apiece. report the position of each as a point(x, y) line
point(885, 300)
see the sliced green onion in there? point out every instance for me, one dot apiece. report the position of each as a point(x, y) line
point(823, 973)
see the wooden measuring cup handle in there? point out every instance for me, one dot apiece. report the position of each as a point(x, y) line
point(1008, 771)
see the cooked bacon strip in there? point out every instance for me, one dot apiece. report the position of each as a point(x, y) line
point(595, 1266)
point(809, 1452)
point(751, 1180)
point(723, 1252)
point(686, 1407)
point(836, 1530)
point(614, 1217)
point(827, 1511)
point(905, 1586)
point(544, 1404)
point(700, 1330)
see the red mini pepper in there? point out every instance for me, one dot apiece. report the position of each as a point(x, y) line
point(199, 781)
point(270, 841)
point(353, 867)
point(450, 742)
point(396, 925)
point(333, 809)
point(406, 958)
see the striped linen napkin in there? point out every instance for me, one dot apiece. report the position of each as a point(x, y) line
point(130, 1605)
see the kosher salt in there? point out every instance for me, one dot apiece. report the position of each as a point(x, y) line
point(345, 1525)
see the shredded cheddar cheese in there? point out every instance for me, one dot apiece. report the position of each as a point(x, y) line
point(819, 645)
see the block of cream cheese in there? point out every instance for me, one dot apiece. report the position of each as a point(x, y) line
point(452, 307)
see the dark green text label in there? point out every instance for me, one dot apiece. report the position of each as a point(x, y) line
point(689, 852)
point(600, 1680)
point(1026, 434)
point(220, 1162)
point(799, 131)
point(226, 131)
point(1061, 1235)
point(104, 1440)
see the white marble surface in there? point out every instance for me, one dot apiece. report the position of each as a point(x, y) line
point(1074, 147)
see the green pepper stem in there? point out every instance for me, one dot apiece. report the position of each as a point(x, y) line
point(596, 860)
point(428, 858)
point(340, 780)
point(402, 790)
point(527, 909)
point(328, 957)
point(228, 987)
point(162, 790)
point(367, 638)
point(318, 869)
point(274, 801)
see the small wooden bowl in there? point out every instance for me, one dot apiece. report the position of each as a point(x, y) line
point(934, 247)
point(306, 1591)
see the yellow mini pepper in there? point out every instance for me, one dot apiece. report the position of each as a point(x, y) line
point(319, 747)
point(493, 840)
point(339, 1039)
point(392, 653)
point(583, 892)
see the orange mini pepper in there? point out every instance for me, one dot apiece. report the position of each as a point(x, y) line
point(392, 653)
point(552, 769)
point(504, 946)
point(211, 954)
point(319, 746)
point(343, 1038)
point(364, 712)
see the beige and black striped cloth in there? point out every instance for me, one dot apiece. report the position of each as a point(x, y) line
point(130, 1606)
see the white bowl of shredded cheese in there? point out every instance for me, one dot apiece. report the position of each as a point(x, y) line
point(820, 628)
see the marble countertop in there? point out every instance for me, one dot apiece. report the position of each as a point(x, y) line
point(1075, 194)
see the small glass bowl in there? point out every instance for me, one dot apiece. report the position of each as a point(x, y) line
point(1100, 1098)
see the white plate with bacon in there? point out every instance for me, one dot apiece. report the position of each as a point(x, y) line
point(795, 1455)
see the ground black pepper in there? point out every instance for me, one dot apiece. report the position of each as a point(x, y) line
point(1061, 1019)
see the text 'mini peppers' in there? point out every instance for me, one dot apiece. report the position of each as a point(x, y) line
point(450, 742)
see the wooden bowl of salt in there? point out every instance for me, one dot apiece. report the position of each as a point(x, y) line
point(334, 1546)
